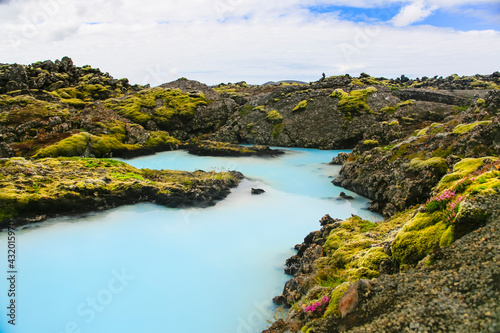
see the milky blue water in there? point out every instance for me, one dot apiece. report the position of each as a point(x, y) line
point(146, 268)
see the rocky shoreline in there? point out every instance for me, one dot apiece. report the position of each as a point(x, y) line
point(432, 264)
point(455, 290)
point(33, 191)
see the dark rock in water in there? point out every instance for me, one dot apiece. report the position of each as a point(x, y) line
point(340, 159)
point(327, 219)
point(345, 196)
point(279, 300)
point(257, 191)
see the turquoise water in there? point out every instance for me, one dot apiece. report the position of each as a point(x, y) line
point(146, 268)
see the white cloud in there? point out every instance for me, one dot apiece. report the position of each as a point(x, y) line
point(414, 12)
point(158, 41)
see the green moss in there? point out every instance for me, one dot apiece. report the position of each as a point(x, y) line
point(353, 103)
point(278, 129)
point(72, 146)
point(419, 239)
point(57, 185)
point(159, 138)
point(389, 109)
point(447, 237)
point(335, 297)
point(274, 117)
point(462, 169)
point(78, 144)
point(422, 132)
point(393, 123)
point(21, 109)
point(465, 128)
point(406, 103)
point(372, 143)
point(158, 104)
point(437, 164)
point(444, 153)
point(75, 102)
point(371, 259)
point(126, 176)
point(301, 106)
point(245, 110)
point(399, 151)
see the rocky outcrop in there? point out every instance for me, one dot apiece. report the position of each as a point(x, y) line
point(402, 174)
point(340, 159)
point(50, 76)
point(66, 186)
point(428, 95)
point(193, 87)
point(301, 264)
point(354, 267)
point(275, 118)
point(211, 148)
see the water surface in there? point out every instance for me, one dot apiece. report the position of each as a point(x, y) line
point(147, 268)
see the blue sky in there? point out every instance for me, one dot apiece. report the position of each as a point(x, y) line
point(482, 16)
point(215, 41)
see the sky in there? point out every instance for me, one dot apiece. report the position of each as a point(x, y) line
point(221, 41)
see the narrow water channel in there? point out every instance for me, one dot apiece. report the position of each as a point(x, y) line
point(146, 268)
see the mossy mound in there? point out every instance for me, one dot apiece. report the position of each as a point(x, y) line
point(301, 106)
point(465, 128)
point(86, 144)
point(21, 109)
point(353, 103)
point(65, 185)
point(157, 104)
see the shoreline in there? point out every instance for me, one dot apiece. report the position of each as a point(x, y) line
point(36, 190)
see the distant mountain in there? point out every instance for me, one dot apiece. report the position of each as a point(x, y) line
point(284, 81)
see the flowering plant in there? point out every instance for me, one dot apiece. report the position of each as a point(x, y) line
point(319, 306)
point(452, 209)
point(441, 201)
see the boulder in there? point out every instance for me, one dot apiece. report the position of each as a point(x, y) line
point(342, 195)
point(257, 191)
point(340, 159)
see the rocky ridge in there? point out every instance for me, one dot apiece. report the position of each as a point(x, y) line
point(47, 103)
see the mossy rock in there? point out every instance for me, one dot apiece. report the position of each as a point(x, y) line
point(436, 164)
point(274, 117)
point(335, 297)
point(157, 104)
point(353, 103)
point(371, 143)
point(465, 128)
point(22, 109)
point(86, 144)
point(301, 106)
point(61, 185)
point(417, 240)
point(462, 169)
